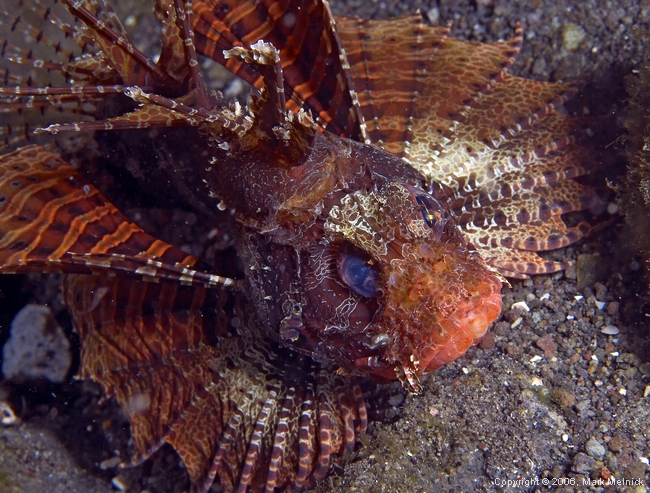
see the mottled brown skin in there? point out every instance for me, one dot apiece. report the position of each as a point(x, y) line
point(292, 243)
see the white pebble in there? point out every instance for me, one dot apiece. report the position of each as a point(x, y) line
point(535, 359)
point(610, 330)
point(578, 297)
point(433, 14)
point(600, 304)
point(7, 414)
point(622, 391)
point(646, 392)
point(119, 483)
point(109, 463)
point(545, 296)
point(521, 305)
point(516, 323)
point(37, 347)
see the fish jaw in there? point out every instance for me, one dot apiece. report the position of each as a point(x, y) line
point(435, 310)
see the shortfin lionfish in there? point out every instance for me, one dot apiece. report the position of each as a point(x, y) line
point(380, 184)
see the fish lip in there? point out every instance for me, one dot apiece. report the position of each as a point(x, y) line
point(472, 320)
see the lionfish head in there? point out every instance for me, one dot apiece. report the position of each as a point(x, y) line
point(436, 296)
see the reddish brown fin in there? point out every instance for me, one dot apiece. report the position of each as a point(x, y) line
point(386, 65)
point(76, 84)
point(494, 143)
point(520, 264)
point(413, 80)
point(133, 66)
point(52, 221)
point(209, 393)
point(316, 73)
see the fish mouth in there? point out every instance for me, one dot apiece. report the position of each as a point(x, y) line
point(434, 312)
point(453, 336)
point(472, 319)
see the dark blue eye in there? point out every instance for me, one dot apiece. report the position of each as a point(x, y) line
point(359, 274)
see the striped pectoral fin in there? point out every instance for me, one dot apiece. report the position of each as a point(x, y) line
point(52, 221)
point(146, 345)
point(536, 236)
point(520, 264)
point(413, 81)
point(541, 203)
point(510, 245)
point(217, 391)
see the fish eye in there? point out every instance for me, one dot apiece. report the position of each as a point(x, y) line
point(358, 271)
point(431, 211)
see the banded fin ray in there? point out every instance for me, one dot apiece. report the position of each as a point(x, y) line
point(177, 366)
point(316, 75)
point(52, 220)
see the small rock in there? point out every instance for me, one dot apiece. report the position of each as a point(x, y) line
point(610, 330)
point(546, 343)
point(564, 398)
point(539, 66)
point(488, 341)
point(520, 305)
point(572, 36)
point(612, 308)
point(7, 414)
point(582, 463)
point(119, 482)
point(37, 347)
point(396, 399)
point(601, 290)
point(595, 449)
point(110, 463)
point(433, 14)
point(514, 350)
point(616, 444)
point(590, 269)
point(571, 273)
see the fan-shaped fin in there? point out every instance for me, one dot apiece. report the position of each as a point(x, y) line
point(539, 203)
point(430, 75)
point(520, 264)
point(185, 373)
point(52, 221)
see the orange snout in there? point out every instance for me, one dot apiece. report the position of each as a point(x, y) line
point(466, 326)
